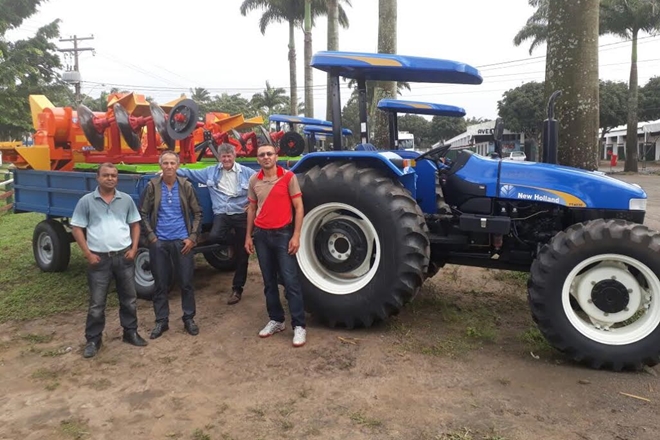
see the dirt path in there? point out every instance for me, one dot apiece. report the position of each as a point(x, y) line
point(460, 362)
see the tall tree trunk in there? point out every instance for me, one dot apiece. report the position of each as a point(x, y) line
point(309, 82)
point(631, 132)
point(333, 44)
point(293, 83)
point(387, 20)
point(572, 67)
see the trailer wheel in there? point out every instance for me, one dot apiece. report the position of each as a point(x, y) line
point(610, 269)
point(145, 286)
point(51, 246)
point(363, 250)
point(223, 259)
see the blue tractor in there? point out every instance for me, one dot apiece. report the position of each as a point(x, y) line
point(378, 223)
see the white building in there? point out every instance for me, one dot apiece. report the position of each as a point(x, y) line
point(648, 141)
point(479, 138)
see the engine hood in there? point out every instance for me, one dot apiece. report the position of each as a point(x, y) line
point(565, 186)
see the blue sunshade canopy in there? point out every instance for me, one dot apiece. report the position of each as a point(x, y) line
point(392, 67)
point(298, 120)
point(325, 130)
point(420, 108)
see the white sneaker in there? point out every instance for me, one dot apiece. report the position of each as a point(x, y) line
point(271, 328)
point(299, 336)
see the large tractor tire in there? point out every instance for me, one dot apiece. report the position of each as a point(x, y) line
point(610, 268)
point(223, 259)
point(51, 246)
point(363, 250)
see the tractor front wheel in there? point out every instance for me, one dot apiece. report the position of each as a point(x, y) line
point(363, 250)
point(609, 269)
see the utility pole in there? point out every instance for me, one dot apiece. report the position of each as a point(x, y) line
point(75, 78)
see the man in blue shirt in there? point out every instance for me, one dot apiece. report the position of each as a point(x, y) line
point(171, 217)
point(228, 185)
point(112, 223)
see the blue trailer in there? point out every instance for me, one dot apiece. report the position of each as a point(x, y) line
point(56, 193)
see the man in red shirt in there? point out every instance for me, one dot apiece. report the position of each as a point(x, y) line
point(272, 192)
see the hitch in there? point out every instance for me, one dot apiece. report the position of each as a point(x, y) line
point(551, 131)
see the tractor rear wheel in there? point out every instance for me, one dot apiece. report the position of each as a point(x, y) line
point(610, 269)
point(364, 252)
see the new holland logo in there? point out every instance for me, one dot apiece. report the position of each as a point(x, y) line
point(507, 191)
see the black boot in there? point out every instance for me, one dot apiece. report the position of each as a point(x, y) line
point(159, 329)
point(91, 348)
point(191, 327)
point(132, 337)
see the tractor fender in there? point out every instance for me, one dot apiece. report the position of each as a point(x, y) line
point(387, 161)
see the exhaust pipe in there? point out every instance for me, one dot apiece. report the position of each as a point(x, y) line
point(551, 131)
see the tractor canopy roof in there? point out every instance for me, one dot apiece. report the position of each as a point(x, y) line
point(392, 67)
point(325, 130)
point(420, 108)
point(298, 120)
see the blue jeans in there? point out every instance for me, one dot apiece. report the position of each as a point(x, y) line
point(162, 254)
point(272, 248)
point(98, 277)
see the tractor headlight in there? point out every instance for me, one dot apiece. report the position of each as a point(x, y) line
point(637, 205)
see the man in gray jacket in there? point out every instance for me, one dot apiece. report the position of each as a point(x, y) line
point(171, 217)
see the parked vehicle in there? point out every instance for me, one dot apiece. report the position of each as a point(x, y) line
point(516, 155)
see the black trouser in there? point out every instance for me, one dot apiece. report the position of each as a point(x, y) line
point(162, 255)
point(112, 265)
point(223, 224)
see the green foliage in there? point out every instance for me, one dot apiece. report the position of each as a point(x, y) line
point(420, 127)
point(445, 128)
point(270, 99)
point(649, 100)
point(523, 108)
point(26, 67)
point(613, 104)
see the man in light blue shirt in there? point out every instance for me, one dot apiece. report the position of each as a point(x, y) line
point(112, 222)
point(228, 185)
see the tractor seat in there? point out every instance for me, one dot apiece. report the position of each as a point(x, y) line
point(365, 147)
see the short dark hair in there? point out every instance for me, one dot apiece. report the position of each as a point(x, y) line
point(268, 145)
point(105, 165)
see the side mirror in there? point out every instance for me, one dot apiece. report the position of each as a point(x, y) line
point(499, 129)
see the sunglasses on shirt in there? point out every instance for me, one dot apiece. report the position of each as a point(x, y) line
point(266, 154)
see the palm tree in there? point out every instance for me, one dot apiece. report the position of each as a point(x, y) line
point(626, 18)
point(269, 99)
point(200, 94)
point(573, 68)
point(293, 13)
point(536, 28)
point(387, 19)
point(333, 45)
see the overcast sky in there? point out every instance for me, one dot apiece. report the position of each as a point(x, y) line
point(164, 47)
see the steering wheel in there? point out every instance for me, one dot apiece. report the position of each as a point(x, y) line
point(436, 154)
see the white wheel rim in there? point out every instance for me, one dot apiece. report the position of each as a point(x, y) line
point(614, 328)
point(320, 275)
point(143, 277)
point(45, 248)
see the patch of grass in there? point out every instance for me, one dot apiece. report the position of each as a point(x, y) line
point(56, 352)
point(304, 392)
point(285, 425)
point(512, 277)
point(535, 341)
point(257, 411)
point(99, 385)
point(75, 429)
point(199, 434)
point(25, 291)
point(52, 386)
point(45, 374)
point(36, 338)
point(361, 419)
